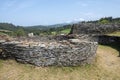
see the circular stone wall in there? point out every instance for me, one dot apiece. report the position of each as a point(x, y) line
point(65, 53)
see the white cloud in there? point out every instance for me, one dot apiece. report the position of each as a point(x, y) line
point(75, 20)
point(79, 19)
point(91, 15)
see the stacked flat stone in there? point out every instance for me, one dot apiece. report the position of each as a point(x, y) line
point(72, 52)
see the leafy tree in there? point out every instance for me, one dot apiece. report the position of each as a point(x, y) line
point(104, 21)
point(20, 32)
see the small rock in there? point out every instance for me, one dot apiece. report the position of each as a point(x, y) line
point(74, 40)
point(43, 45)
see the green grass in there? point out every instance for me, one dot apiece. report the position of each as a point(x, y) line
point(66, 31)
point(115, 34)
point(1, 33)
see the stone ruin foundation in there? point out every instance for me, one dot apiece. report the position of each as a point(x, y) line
point(60, 51)
point(77, 48)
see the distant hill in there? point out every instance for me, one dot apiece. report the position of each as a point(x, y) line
point(39, 27)
point(58, 25)
point(7, 26)
point(37, 30)
point(46, 27)
point(11, 27)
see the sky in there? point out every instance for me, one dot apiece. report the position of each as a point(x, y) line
point(48, 12)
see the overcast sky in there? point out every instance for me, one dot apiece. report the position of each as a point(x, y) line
point(47, 12)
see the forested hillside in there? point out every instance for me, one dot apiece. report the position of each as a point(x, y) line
point(37, 30)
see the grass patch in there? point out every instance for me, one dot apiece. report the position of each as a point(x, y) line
point(1, 61)
point(66, 31)
point(1, 33)
point(115, 34)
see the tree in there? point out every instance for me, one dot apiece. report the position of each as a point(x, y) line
point(104, 21)
point(20, 32)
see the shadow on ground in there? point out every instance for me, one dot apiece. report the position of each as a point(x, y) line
point(115, 46)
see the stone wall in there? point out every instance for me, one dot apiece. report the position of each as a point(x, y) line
point(94, 28)
point(72, 52)
point(95, 32)
point(105, 39)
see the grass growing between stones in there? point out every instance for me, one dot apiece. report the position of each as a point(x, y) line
point(105, 67)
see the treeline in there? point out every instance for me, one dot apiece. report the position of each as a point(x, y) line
point(36, 30)
point(105, 20)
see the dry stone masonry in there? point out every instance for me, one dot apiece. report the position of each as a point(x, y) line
point(94, 28)
point(72, 52)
